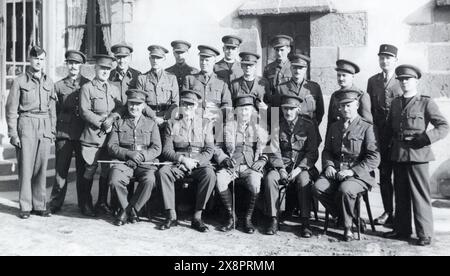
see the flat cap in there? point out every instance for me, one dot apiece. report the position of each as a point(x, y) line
point(245, 100)
point(249, 58)
point(208, 51)
point(291, 101)
point(76, 56)
point(232, 40)
point(104, 60)
point(300, 60)
point(190, 96)
point(408, 71)
point(348, 95)
point(157, 51)
point(122, 49)
point(347, 66)
point(180, 46)
point(136, 96)
point(281, 40)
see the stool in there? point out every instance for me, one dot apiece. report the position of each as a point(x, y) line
point(365, 197)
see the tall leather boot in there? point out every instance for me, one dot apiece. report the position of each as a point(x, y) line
point(102, 207)
point(227, 201)
point(86, 197)
point(248, 225)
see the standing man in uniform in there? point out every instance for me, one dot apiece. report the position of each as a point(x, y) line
point(411, 153)
point(241, 157)
point(348, 160)
point(229, 68)
point(135, 140)
point(346, 71)
point(31, 119)
point(189, 143)
point(181, 69)
point(295, 155)
point(69, 127)
point(279, 71)
point(250, 83)
point(309, 91)
point(382, 89)
point(100, 106)
point(161, 87)
point(123, 76)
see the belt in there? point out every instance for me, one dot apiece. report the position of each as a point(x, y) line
point(160, 108)
point(40, 115)
point(134, 147)
point(189, 150)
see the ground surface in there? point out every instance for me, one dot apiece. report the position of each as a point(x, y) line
point(70, 234)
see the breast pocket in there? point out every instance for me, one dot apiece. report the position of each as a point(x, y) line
point(98, 104)
point(144, 137)
point(310, 104)
point(215, 95)
point(416, 121)
point(27, 95)
point(355, 142)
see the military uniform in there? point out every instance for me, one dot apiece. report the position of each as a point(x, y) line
point(124, 81)
point(382, 90)
point(408, 123)
point(192, 139)
point(98, 102)
point(278, 71)
point(31, 117)
point(229, 71)
point(214, 90)
point(353, 147)
point(127, 137)
point(243, 144)
point(181, 71)
point(297, 147)
point(68, 131)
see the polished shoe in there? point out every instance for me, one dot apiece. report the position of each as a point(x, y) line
point(249, 228)
point(424, 242)
point(273, 227)
point(385, 219)
point(88, 211)
point(305, 231)
point(169, 223)
point(396, 236)
point(134, 218)
point(229, 224)
point(122, 219)
point(199, 225)
point(44, 214)
point(55, 210)
point(348, 235)
point(24, 215)
point(102, 209)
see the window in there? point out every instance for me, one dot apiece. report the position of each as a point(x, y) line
point(89, 27)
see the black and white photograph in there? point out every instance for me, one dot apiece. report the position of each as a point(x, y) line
point(253, 129)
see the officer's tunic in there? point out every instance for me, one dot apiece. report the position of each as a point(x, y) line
point(69, 127)
point(297, 147)
point(181, 72)
point(260, 89)
point(145, 138)
point(277, 73)
point(352, 149)
point(311, 94)
point(31, 116)
point(245, 145)
point(124, 82)
point(228, 73)
point(162, 93)
point(411, 175)
point(381, 95)
point(192, 140)
point(364, 110)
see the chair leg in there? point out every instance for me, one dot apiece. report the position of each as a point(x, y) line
point(358, 216)
point(315, 205)
point(369, 211)
point(327, 220)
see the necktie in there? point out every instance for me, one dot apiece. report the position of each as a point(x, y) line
point(278, 73)
point(346, 124)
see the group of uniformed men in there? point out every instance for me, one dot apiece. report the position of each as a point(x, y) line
point(211, 126)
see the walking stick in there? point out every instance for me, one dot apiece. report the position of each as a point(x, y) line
point(144, 163)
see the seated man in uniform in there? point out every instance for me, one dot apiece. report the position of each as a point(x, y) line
point(135, 139)
point(189, 143)
point(241, 156)
point(350, 156)
point(295, 154)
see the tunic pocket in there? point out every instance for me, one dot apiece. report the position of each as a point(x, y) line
point(27, 95)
